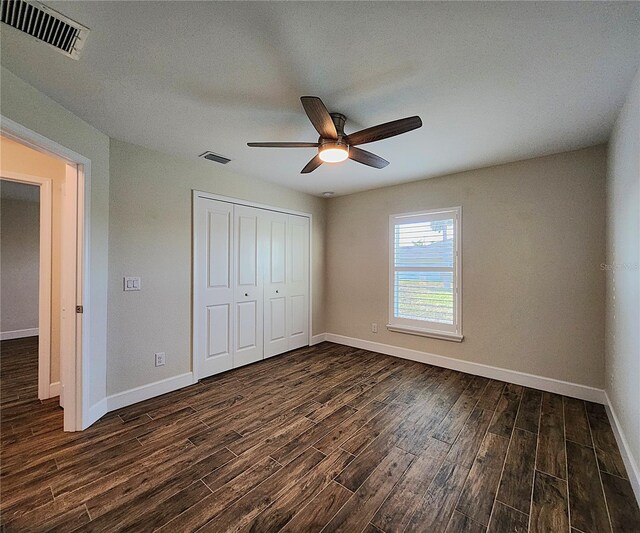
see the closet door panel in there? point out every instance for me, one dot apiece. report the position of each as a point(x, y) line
point(218, 328)
point(299, 239)
point(297, 281)
point(247, 242)
point(299, 312)
point(277, 248)
point(248, 297)
point(247, 325)
point(213, 290)
point(275, 287)
point(278, 323)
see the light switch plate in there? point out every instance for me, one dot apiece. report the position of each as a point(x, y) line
point(131, 283)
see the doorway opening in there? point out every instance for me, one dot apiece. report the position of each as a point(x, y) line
point(19, 284)
point(55, 332)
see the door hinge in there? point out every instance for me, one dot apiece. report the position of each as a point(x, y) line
point(79, 309)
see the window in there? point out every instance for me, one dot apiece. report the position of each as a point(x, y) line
point(425, 274)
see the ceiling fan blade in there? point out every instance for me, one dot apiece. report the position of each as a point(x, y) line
point(283, 145)
point(312, 165)
point(319, 117)
point(384, 131)
point(367, 158)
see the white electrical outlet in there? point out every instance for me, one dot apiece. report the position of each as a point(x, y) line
point(161, 358)
point(374, 327)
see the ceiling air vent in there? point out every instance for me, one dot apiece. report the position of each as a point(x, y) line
point(46, 25)
point(215, 157)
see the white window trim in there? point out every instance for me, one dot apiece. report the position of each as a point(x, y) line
point(449, 333)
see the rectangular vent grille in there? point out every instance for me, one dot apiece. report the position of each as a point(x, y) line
point(215, 157)
point(46, 25)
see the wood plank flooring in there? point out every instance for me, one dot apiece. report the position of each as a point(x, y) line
point(327, 438)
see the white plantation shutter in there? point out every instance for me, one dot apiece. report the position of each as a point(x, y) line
point(424, 272)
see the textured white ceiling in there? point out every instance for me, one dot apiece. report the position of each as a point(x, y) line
point(493, 82)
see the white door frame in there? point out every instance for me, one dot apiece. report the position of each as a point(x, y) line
point(44, 278)
point(239, 201)
point(76, 397)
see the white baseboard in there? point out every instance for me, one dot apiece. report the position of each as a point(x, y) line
point(54, 389)
point(139, 394)
point(96, 412)
point(18, 334)
point(557, 386)
point(317, 339)
point(629, 462)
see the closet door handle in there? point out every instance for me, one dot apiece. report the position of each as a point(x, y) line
point(246, 294)
point(277, 291)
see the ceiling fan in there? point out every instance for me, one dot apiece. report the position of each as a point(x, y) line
point(334, 145)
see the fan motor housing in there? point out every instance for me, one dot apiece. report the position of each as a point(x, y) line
point(338, 120)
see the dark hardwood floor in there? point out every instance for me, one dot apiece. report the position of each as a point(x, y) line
point(325, 438)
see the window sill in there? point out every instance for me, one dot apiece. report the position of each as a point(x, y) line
point(442, 335)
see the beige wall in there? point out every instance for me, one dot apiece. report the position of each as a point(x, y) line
point(623, 273)
point(150, 236)
point(532, 242)
point(19, 262)
point(27, 106)
point(20, 159)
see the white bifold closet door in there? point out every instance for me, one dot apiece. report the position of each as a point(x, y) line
point(274, 240)
point(213, 287)
point(248, 306)
point(286, 282)
point(251, 284)
point(297, 281)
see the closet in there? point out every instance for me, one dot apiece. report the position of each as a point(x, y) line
point(251, 284)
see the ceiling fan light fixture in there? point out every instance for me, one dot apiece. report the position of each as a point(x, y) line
point(333, 152)
point(333, 145)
